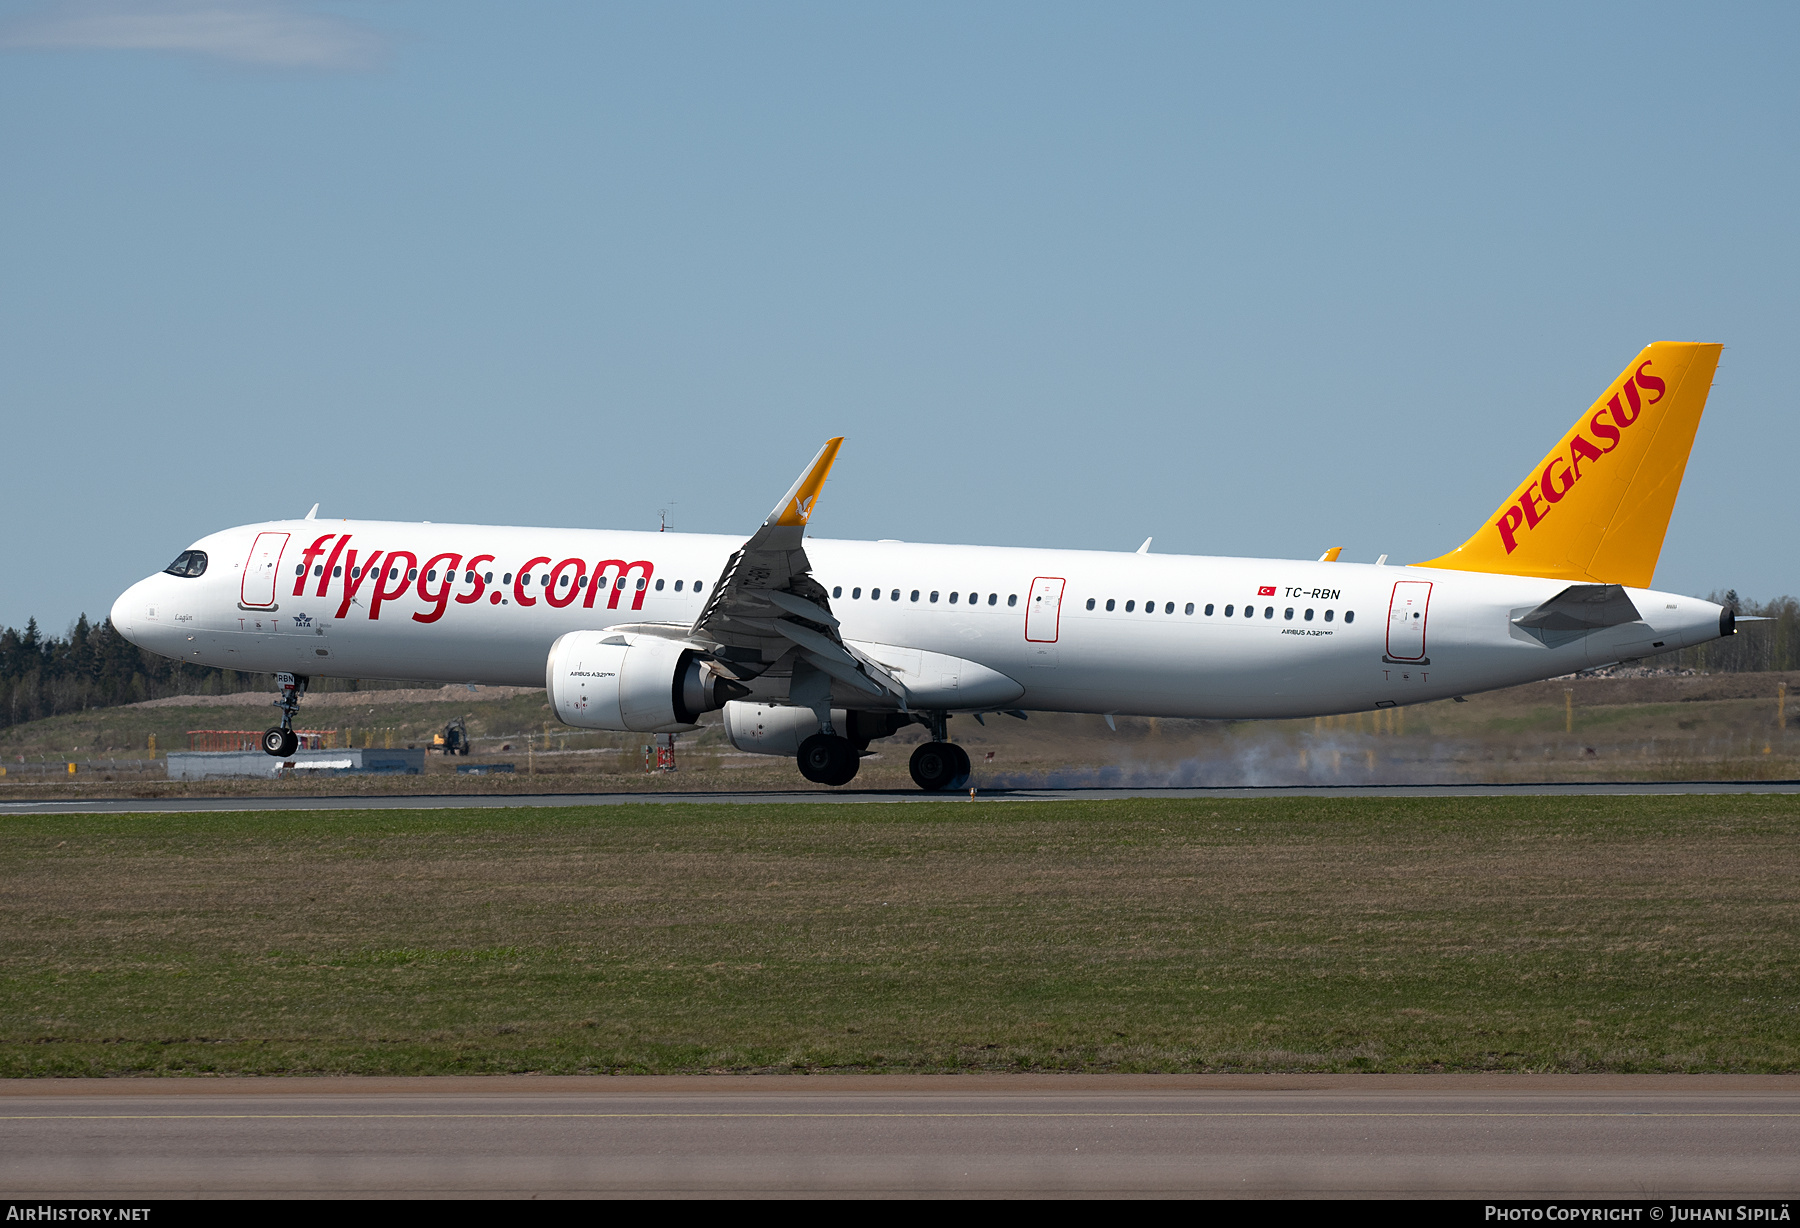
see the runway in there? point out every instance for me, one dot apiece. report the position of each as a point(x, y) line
point(1155, 1136)
point(190, 805)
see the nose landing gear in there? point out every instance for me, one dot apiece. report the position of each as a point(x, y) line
point(281, 741)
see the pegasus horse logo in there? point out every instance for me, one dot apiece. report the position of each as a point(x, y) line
point(803, 506)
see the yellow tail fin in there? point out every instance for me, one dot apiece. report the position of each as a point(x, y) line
point(1597, 507)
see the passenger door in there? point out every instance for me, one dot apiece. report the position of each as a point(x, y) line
point(261, 570)
point(1406, 620)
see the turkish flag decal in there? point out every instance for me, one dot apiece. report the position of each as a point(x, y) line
point(1267, 590)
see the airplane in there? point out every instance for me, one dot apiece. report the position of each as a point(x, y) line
point(814, 648)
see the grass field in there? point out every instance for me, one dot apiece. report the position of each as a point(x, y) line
point(1276, 934)
point(1693, 727)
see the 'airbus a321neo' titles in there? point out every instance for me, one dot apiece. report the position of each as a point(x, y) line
point(815, 648)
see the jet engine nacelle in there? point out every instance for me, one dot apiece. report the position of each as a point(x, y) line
point(778, 729)
point(639, 683)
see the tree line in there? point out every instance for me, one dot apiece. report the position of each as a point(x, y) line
point(96, 667)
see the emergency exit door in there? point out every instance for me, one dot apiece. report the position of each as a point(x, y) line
point(1406, 620)
point(1043, 611)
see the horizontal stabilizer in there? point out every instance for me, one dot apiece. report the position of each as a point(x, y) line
point(1578, 610)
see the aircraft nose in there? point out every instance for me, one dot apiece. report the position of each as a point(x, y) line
point(125, 611)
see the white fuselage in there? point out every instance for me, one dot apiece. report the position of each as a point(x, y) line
point(1322, 638)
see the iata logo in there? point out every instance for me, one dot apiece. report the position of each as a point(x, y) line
point(1560, 475)
point(301, 620)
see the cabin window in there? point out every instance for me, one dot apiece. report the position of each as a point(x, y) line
point(337, 571)
point(642, 584)
point(953, 597)
point(412, 573)
point(1130, 606)
point(581, 582)
point(678, 586)
point(915, 594)
point(319, 570)
point(508, 579)
point(563, 583)
point(299, 569)
point(1289, 616)
point(1269, 611)
point(1230, 610)
point(487, 577)
point(1349, 616)
point(468, 577)
point(1012, 599)
point(1109, 605)
point(659, 585)
point(1090, 603)
point(1249, 611)
point(1209, 609)
point(432, 575)
point(993, 597)
point(697, 586)
point(837, 590)
point(1309, 615)
point(544, 580)
point(1190, 607)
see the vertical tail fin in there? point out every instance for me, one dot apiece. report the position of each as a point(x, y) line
point(1597, 507)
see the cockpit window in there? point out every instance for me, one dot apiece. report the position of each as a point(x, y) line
point(189, 563)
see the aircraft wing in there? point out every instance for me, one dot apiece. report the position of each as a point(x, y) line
point(767, 605)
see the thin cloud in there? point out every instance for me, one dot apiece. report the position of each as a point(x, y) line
point(264, 32)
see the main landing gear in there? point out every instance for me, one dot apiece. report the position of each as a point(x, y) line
point(940, 764)
point(282, 741)
point(827, 759)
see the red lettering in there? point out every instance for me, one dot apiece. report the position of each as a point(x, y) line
point(1649, 383)
point(1565, 479)
point(601, 578)
point(441, 598)
point(353, 579)
point(556, 582)
point(1601, 427)
point(480, 584)
point(1618, 411)
point(1508, 524)
point(306, 561)
point(396, 574)
point(643, 585)
point(1528, 501)
point(331, 564)
point(1577, 450)
point(519, 581)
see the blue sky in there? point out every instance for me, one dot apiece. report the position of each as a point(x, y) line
point(1254, 280)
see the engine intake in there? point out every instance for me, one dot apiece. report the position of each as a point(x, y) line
point(635, 683)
